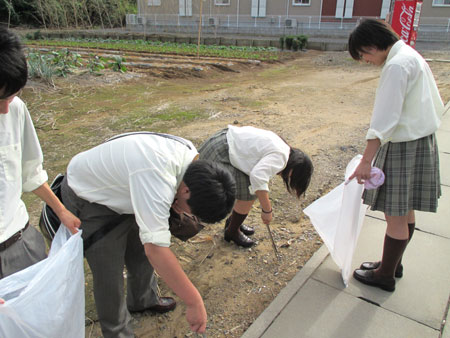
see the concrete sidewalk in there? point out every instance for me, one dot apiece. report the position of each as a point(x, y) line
point(315, 304)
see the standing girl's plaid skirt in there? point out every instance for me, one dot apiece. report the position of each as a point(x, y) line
point(412, 177)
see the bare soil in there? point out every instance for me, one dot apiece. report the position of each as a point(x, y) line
point(317, 101)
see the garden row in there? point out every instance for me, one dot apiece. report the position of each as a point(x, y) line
point(48, 65)
point(155, 46)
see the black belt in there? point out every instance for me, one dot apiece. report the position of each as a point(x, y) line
point(13, 239)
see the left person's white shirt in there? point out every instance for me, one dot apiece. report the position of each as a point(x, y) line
point(20, 166)
point(259, 153)
point(134, 174)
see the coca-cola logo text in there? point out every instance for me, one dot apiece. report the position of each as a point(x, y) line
point(406, 19)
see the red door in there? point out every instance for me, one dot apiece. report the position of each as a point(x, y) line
point(367, 7)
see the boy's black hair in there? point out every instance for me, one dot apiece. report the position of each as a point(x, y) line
point(370, 33)
point(298, 172)
point(13, 64)
point(212, 189)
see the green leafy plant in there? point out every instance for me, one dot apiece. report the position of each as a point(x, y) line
point(117, 64)
point(65, 61)
point(40, 66)
point(95, 64)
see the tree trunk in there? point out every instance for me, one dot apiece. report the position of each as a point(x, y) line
point(75, 15)
point(41, 10)
point(87, 14)
point(100, 14)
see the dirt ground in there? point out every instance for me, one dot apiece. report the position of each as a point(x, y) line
point(317, 101)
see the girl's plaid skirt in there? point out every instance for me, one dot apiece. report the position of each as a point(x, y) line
point(216, 149)
point(412, 180)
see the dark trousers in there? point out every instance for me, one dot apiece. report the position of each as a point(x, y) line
point(28, 250)
point(107, 258)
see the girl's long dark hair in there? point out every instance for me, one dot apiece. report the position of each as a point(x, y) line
point(298, 172)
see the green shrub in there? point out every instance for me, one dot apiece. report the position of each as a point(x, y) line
point(295, 45)
point(289, 39)
point(38, 35)
point(303, 40)
point(282, 43)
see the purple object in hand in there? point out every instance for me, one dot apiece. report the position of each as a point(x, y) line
point(376, 179)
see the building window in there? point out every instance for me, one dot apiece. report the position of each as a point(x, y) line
point(154, 2)
point(222, 2)
point(301, 2)
point(441, 2)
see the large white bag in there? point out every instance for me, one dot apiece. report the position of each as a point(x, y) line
point(47, 299)
point(338, 217)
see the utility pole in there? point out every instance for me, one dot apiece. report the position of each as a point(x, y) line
point(391, 9)
point(199, 29)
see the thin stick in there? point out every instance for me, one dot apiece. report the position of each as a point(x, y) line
point(273, 243)
point(209, 252)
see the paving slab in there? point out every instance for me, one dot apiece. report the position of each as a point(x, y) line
point(446, 329)
point(445, 120)
point(321, 311)
point(268, 316)
point(421, 295)
point(443, 139)
point(444, 162)
point(435, 223)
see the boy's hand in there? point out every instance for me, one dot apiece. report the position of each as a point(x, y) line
point(196, 317)
point(69, 220)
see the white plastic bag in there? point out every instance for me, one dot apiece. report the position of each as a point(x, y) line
point(338, 217)
point(47, 299)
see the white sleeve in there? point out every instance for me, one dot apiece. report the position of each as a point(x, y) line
point(152, 195)
point(264, 170)
point(33, 174)
point(388, 105)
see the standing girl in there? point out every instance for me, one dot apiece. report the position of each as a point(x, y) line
point(400, 141)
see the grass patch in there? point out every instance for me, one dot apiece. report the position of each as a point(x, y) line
point(160, 121)
point(250, 103)
point(276, 72)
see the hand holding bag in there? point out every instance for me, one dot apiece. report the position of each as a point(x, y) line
point(46, 300)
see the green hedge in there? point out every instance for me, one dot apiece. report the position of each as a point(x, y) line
point(293, 42)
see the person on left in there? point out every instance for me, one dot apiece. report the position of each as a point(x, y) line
point(21, 245)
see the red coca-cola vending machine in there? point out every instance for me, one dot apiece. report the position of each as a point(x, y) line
point(405, 19)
